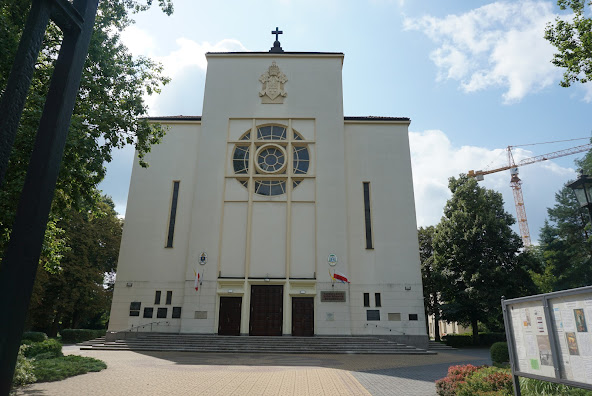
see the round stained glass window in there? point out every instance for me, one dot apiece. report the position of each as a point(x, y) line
point(270, 157)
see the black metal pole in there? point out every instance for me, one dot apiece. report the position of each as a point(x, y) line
point(19, 266)
point(19, 80)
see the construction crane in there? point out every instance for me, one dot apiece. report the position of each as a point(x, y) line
point(516, 183)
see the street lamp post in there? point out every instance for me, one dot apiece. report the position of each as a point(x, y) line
point(583, 189)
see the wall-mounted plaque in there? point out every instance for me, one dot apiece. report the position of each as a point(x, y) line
point(332, 296)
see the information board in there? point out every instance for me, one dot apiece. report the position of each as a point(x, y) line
point(573, 329)
point(554, 323)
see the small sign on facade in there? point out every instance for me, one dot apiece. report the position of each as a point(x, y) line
point(332, 259)
point(332, 296)
point(203, 258)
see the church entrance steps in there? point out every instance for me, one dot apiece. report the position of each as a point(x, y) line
point(252, 344)
point(439, 346)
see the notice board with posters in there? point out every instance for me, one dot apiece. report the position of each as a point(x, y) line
point(550, 336)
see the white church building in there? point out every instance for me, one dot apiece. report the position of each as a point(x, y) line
point(269, 197)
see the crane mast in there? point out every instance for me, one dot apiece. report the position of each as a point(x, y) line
point(516, 183)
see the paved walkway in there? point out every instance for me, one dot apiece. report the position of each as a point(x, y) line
point(188, 373)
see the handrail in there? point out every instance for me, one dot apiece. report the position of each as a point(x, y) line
point(147, 324)
point(383, 327)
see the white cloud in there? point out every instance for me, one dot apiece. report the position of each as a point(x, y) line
point(497, 45)
point(185, 64)
point(138, 41)
point(435, 159)
point(191, 53)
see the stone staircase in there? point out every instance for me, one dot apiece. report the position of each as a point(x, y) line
point(439, 346)
point(245, 344)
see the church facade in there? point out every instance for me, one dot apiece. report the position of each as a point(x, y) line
point(273, 213)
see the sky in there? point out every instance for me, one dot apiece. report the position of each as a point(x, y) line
point(473, 76)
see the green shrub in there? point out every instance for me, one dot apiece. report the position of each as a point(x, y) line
point(491, 381)
point(488, 339)
point(35, 336)
point(466, 340)
point(533, 387)
point(458, 340)
point(456, 375)
point(24, 370)
point(80, 335)
point(499, 352)
point(51, 346)
point(57, 369)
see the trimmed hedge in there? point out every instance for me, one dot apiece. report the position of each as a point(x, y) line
point(499, 352)
point(35, 336)
point(466, 340)
point(80, 335)
point(66, 366)
point(24, 370)
point(47, 348)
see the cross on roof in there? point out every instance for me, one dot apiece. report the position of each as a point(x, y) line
point(276, 44)
point(277, 32)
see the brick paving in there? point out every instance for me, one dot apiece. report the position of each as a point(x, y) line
point(188, 373)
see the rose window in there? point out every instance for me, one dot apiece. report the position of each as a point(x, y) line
point(270, 145)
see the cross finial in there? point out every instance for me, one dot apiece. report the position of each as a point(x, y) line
point(276, 45)
point(277, 32)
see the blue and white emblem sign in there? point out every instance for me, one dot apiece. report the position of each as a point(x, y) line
point(332, 259)
point(203, 258)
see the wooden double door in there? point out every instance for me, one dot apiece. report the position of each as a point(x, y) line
point(266, 310)
point(229, 319)
point(303, 316)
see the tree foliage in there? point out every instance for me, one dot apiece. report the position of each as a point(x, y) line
point(431, 278)
point(566, 240)
point(573, 39)
point(108, 113)
point(478, 256)
point(76, 296)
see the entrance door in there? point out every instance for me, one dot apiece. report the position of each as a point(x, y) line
point(266, 310)
point(303, 316)
point(230, 316)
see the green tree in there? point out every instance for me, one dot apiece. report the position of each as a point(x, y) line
point(573, 39)
point(108, 113)
point(566, 240)
point(431, 278)
point(76, 295)
point(478, 256)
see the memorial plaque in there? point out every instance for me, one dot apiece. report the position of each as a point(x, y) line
point(332, 296)
point(201, 315)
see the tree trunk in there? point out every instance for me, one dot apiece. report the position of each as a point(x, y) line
point(475, 326)
point(53, 331)
point(436, 324)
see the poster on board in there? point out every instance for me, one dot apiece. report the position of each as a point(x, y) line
point(572, 316)
point(531, 339)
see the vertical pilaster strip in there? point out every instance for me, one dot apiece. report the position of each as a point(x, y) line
point(245, 309)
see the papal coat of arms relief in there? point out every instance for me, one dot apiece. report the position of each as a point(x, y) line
point(273, 81)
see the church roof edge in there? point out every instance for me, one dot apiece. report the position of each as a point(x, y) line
point(346, 118)
point(375, 118)
point(275, 53)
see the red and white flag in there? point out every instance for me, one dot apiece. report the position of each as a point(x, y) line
point(340, 277)
point(196, 280)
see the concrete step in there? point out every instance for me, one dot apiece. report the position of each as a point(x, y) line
point(439, 346)
point(246, 344)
